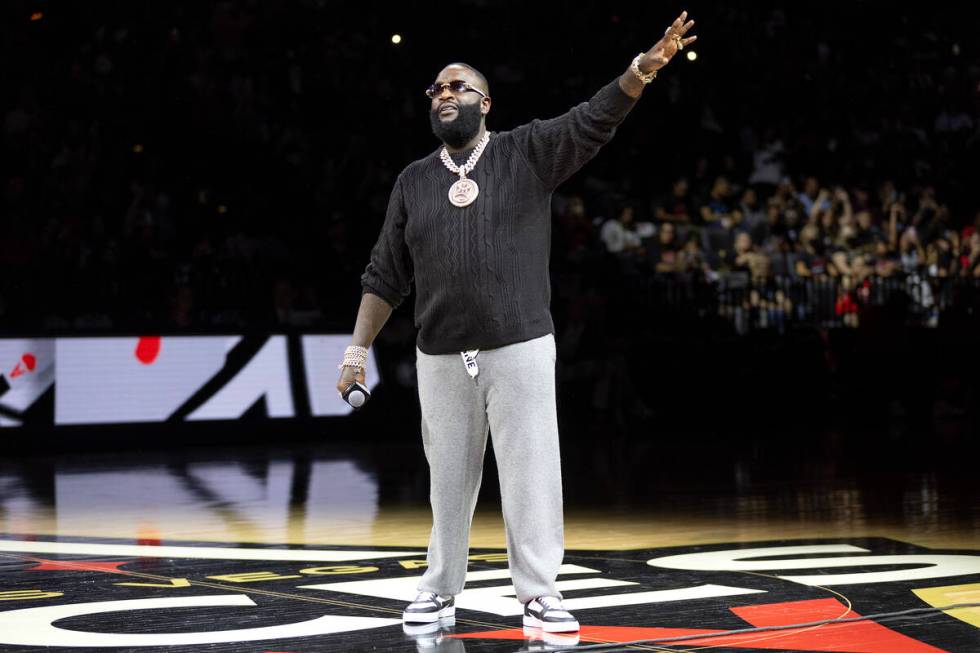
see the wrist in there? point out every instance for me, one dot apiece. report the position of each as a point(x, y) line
point(644, 76)
point(647, 65)
point(354, 356)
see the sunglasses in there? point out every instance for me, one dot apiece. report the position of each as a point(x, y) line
point(455, 87)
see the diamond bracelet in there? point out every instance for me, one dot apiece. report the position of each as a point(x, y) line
point(354, 356)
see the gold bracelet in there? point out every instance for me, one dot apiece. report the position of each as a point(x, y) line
point(646, 78)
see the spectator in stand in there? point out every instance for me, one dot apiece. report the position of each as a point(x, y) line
point(810, 260)
point(811, 197)
point(720, 209)
point(861, 268)
point(662, 254)
point(738, 259)
point(753, 216)
point(836, 224)
point(887, 263)
point(775, 226)
point(970, 256)
point(910, 252)
point(865, 232)
point(939, 258)
point(677, 205)
point(749, 258)
point(830, 209)
point(691, 258)
point(619, 235)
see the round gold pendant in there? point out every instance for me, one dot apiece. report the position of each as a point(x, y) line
point(463, 192)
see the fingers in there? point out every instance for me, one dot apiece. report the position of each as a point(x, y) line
point(689, 40)
point(679, 26)
point(348, 376)
point(678, 29)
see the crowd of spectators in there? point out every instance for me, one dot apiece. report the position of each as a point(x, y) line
point(851, 241)
point(225, 165)
point(805, 233)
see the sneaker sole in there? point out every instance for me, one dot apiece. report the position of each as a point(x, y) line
point(551, 627)
point(428, 617)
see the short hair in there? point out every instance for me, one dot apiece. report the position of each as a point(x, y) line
point(479, 75)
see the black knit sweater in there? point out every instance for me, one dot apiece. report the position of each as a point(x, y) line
point(481, 272)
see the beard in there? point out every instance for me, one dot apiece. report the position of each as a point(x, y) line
point(460, 130)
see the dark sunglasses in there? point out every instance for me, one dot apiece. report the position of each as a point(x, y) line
point(455, 87)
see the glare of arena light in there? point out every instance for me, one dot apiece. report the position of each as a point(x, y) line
point(37, 15)
point(692, 55)
point(396, 38)
point(222, 209)
point(137, 148)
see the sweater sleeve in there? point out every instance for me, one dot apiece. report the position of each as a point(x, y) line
point(389, 272)
point(556, 148)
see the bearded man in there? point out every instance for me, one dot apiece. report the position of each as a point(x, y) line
point(469, 224)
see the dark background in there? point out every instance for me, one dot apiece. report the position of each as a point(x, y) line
point(208, 167)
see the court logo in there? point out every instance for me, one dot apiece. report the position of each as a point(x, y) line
point(102, 594)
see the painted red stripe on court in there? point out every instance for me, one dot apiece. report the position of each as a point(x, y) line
point(79, 565)
point(858, 637)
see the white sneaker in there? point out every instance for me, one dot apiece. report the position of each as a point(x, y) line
point(429, 607)
point(548, 614)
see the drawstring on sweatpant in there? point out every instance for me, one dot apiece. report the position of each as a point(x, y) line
point(469, 361)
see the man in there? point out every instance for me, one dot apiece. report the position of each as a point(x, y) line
point(662, 254)
point(470, 225)
point(677, 206)
point(619, 235)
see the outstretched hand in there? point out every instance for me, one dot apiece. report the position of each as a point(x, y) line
point(673, 41)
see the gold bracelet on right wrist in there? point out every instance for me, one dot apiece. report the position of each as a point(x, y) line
point(646, 78)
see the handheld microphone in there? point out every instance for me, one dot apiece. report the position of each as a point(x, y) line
point(356, 395)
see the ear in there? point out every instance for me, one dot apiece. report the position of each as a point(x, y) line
point(485, 105)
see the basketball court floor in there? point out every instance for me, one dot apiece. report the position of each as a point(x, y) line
point(670, 547)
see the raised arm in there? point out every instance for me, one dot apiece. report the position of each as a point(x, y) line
point(556, 148)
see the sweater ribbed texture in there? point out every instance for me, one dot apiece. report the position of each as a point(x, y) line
point(481, 271)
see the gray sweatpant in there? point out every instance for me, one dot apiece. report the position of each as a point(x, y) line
point(513, 397)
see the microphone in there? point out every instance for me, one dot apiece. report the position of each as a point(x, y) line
point(356, 395)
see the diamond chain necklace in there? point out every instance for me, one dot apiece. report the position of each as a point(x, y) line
point(470, 162)
point(464, 191)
